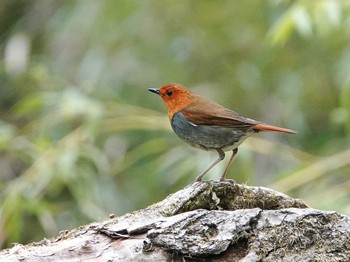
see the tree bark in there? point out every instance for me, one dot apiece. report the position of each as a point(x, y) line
point(206, 221)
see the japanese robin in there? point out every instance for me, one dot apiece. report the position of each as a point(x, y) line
point(207, 125)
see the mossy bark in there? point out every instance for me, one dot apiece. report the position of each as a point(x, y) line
point(206, 221)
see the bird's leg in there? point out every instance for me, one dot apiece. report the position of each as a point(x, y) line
point(221, 157)
point(234, 152)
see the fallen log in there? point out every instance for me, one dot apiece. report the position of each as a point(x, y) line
point(206, 221)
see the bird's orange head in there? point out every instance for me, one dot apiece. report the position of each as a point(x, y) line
point(175, 96)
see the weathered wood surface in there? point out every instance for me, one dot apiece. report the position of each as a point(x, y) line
point(206, 221)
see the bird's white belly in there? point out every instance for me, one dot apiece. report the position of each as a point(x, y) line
point(235, 145)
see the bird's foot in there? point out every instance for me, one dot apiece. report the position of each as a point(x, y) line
point(199, 177)
point(231, 181)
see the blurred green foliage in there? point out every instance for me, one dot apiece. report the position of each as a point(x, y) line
point(81, 137)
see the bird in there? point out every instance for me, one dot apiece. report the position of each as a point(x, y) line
point(206, 125)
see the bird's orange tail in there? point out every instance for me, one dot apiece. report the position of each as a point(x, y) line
point(265, 127)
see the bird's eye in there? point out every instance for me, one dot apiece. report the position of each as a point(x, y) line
point(169, 92)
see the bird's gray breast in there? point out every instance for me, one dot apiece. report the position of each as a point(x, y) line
point(207, 137)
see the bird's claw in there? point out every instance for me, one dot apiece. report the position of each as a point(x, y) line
point(231, 181)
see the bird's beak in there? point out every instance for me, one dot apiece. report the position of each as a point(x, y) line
point(154, 90)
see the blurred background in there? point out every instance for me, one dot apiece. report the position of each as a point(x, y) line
point(81, 137)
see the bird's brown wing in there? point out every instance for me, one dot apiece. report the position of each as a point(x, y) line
point(216, 115)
